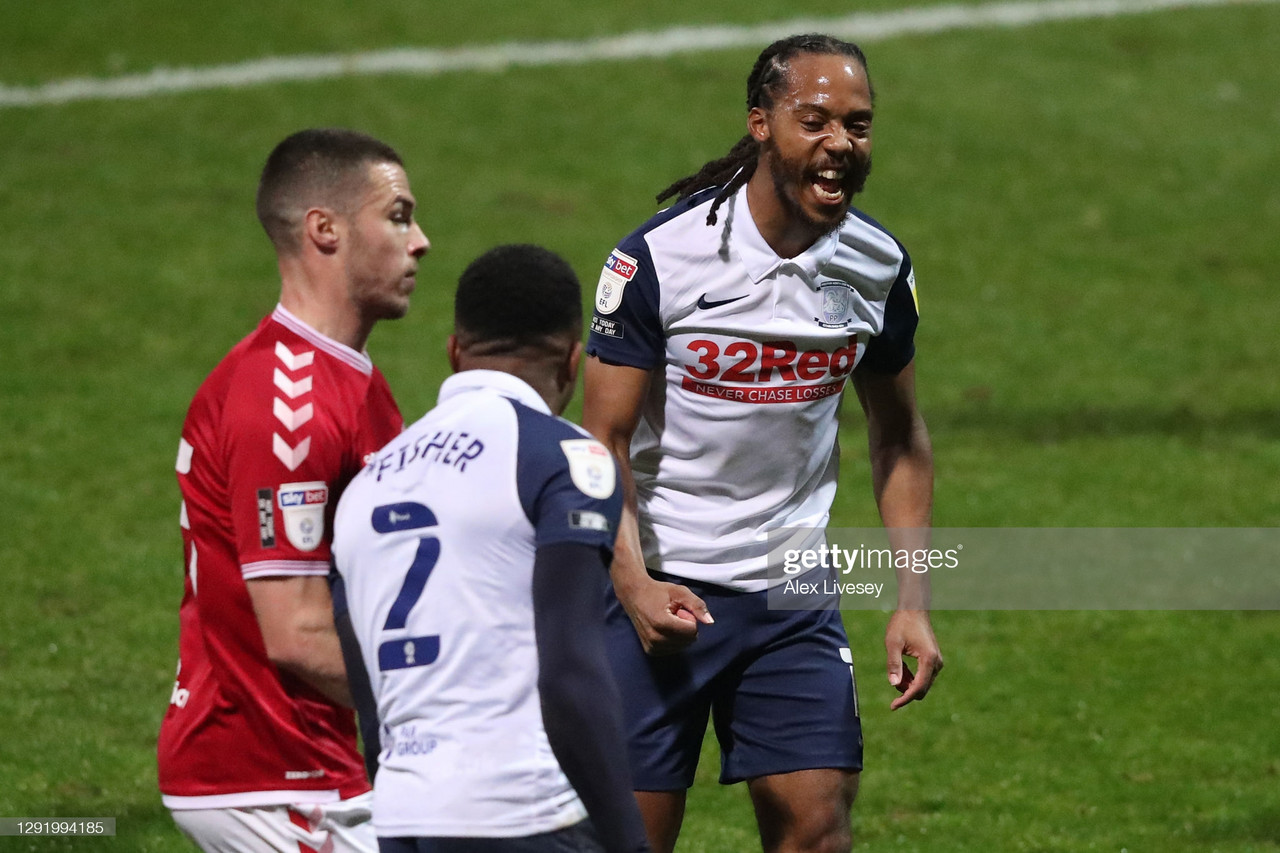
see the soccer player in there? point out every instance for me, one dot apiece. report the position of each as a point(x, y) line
point(474, 551)
point(725, 330)
point(257, 751)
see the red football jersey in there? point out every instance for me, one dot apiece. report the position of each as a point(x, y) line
point(272, 438)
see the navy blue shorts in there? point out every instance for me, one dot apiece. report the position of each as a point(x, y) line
point(579, 838)
point(778, 685)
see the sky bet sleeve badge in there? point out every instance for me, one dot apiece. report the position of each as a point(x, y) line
point(302, 505)
point(618, 270)
point(590, 466)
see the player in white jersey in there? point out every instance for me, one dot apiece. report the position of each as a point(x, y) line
point(724, 334)
point(474, 550)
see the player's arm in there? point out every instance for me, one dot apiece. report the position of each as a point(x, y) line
point(902, 479)
point(581, 708)
point(665, 615)
point(295, 615)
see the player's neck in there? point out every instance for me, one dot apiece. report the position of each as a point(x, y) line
point(547, 383)
point(324, 309)
point(785, 234)
point(333, 325)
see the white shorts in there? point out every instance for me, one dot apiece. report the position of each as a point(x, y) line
point(341, 827)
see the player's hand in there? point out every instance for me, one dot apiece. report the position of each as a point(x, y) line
point(909, 633)
point(666, 616)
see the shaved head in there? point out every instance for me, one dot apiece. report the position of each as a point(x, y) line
point(326, 167)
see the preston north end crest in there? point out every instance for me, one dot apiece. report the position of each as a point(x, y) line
point(837, 297)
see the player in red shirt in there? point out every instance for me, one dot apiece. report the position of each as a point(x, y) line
point(258, 748)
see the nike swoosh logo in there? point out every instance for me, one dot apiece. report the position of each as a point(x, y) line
point(704, 304)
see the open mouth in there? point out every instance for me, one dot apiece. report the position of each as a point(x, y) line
point(828, 186)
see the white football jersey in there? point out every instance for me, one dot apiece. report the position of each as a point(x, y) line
point(435, 542)
point(750, 354)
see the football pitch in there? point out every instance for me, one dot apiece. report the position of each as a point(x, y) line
point(1092, 206)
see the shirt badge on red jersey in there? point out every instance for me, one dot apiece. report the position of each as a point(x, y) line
point(302, 506)
point(266, 519)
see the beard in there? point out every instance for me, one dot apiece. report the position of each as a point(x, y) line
point(378, 293)
point(790, 177)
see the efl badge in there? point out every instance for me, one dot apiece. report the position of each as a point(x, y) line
point(911, 283)
point(618, 270)
point(836, 299)
point(302, 505)
point(590, 466)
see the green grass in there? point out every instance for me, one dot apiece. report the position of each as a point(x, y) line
point(1092, 208)
point(66, 39)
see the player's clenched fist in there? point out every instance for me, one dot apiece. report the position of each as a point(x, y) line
point(666, 616)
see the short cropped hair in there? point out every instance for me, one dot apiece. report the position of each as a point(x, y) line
point(517, 296)
point(320, 167)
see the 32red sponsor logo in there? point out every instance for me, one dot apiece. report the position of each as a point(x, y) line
point(746, 361)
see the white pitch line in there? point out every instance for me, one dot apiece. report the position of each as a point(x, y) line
point(425, 62)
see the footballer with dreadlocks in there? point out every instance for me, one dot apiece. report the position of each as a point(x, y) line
point(724, 333)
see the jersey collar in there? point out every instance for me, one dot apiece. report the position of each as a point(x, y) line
point(359, 360)
point(759, 258)
point(492, 380)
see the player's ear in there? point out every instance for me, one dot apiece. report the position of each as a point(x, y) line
point(454, 350)
point(567, 376)
point(573, 363)
point(758, 124)
point(321, 228)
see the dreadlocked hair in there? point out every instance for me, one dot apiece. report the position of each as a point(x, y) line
point(764, 85)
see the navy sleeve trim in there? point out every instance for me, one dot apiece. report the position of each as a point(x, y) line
point(558, 509)
point(627, 329)
point(625, 324)
point(894, 348)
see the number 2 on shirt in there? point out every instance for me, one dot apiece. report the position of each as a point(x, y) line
point(407, 652)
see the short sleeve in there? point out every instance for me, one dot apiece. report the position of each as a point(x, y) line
point(281, 484)
point(567, 482)
point(894, 348)
point(625, 325)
